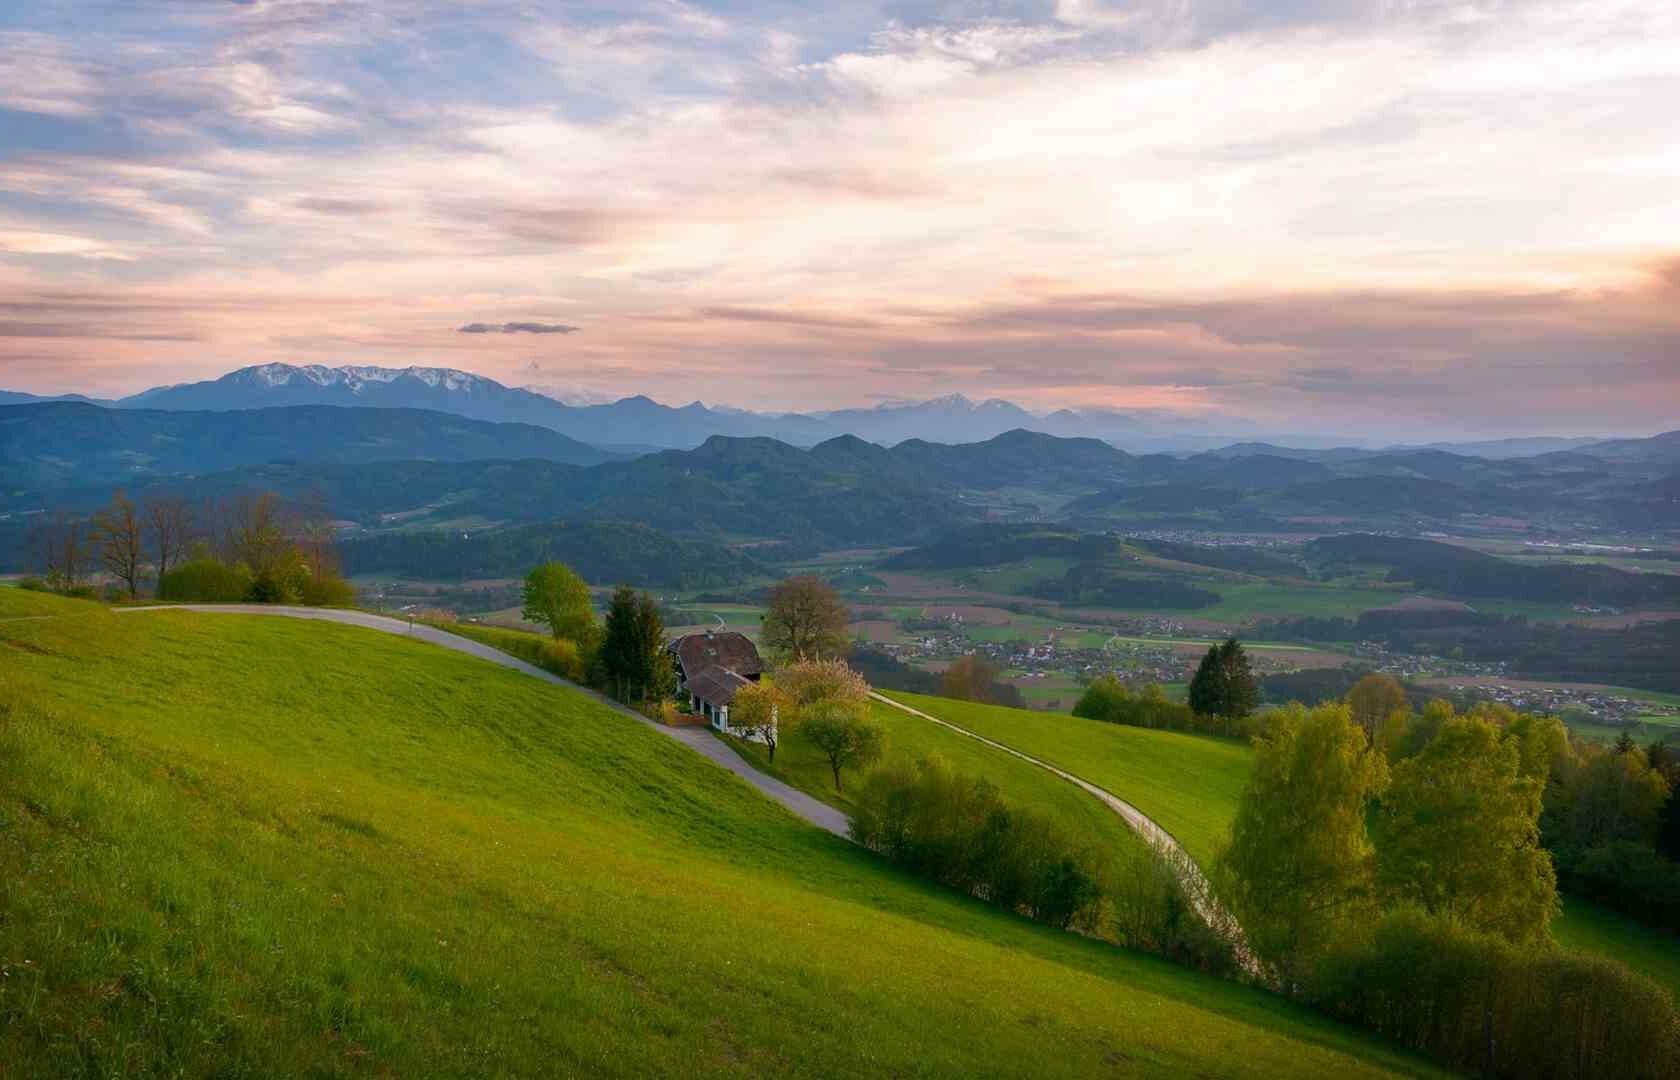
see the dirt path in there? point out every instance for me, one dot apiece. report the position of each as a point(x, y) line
point(700, 740)
point(1195, 883)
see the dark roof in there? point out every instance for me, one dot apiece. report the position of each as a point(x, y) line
point(721, 648)
point(716, 685)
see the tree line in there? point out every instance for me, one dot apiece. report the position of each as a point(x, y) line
point(960, 832)
point(1223, 694)
point(252, 547)
point(1390, 869)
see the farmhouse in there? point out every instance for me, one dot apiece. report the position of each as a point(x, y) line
point(712, 667)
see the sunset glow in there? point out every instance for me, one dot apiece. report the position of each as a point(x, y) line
point(1426, 218)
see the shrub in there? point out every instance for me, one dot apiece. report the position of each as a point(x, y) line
point(1481, 1004)
point(327, 590)
point(32, 583)
point(558, 656)
point(1110, 700)
point(1627, 876)
point(959, 831)
point(205, 579)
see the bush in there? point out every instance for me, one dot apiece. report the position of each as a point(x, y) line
point(1113, 702)
point(958, 831)
point(1480, 1004)
point(1627, 876)
point(557, 656)
point(326, 590)
point(206, 580)
point(32, 583)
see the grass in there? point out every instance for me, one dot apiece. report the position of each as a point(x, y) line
point(1188, 783)
point(1191, 784)
point(28, 604)
point(1594, 929)
point(910, 738)
point(1239, 603)
point(244, 845)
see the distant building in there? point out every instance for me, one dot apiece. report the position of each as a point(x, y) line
point(712, 667)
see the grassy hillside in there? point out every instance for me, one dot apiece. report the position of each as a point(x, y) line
point(252, 846)
point(1188, 783)
point(1591, 928)
point(1191, 785)
point(910, 738)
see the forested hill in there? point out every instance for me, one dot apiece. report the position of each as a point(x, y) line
point(1457, 571)
point(607, 552)
point(387, 468)
point(70, 444)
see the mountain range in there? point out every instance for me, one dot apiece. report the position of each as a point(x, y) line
point(385, 468)
point(641, 424)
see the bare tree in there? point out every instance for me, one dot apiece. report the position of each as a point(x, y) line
point(117, 536)
point(256, 532)
point(60, 546)
point(315, 535)
point(169, 524)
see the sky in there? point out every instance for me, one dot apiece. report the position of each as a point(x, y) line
point(1406, 218)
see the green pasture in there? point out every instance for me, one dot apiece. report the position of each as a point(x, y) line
point(249, 846)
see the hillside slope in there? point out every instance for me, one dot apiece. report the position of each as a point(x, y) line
point(247, 845)
point(1191, 785)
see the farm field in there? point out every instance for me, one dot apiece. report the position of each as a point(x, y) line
point(1241, 603)
point(269, 847)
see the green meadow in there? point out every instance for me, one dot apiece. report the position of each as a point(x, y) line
point(246, 845)
point(1591, 928)
point(1188, 783)
point(910, 738)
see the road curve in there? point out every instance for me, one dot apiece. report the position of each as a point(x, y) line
point(1195, 883)
point(698, 739)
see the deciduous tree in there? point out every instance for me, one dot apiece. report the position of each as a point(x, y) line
point(259, 538)
point(845, 733)
point(1459, 834)
point(117, 536)
point(811, 681)
point(1372, 700)
point(805, 620)
point(169, 530)
point(557, 597)
point(758, 712)
point(969, 678)
point(60, 544)
point(1298, 865)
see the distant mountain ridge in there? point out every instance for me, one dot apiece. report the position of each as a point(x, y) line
point(74, 444)
point(641, 421)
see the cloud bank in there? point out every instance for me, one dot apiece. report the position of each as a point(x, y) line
point(516, 328)
point(1430, 218)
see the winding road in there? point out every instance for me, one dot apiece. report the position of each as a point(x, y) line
point(698, 739)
